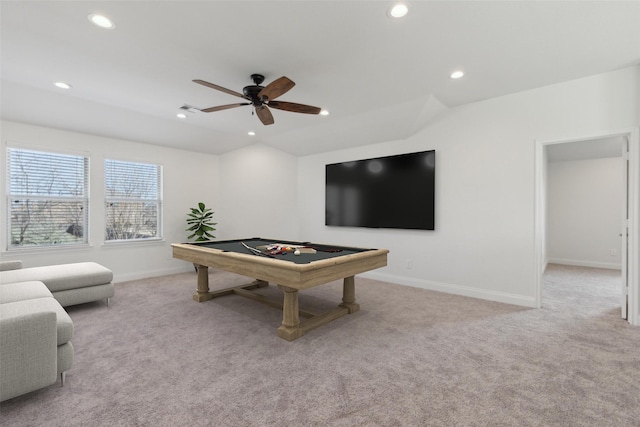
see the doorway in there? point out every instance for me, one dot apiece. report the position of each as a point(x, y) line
point(622, 245)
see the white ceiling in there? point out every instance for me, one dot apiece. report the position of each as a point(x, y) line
point(381, 79)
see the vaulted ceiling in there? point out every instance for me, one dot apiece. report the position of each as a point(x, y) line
point(380, 78)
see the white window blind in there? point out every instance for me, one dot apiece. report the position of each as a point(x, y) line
point(48, 199)
point(133, 201)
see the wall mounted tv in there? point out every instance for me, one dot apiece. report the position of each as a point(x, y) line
point(385, 192)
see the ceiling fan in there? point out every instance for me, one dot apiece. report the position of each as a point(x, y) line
point(262, 97)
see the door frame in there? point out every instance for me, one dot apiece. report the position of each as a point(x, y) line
point(540, 226)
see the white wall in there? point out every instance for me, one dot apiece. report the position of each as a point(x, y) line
point(258, 194)
point(584, 202)
point(483, 245)
point(188, 178)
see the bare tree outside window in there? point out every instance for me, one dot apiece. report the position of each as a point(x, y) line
point(133, 202)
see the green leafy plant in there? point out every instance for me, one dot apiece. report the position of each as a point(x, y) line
point(200, 221)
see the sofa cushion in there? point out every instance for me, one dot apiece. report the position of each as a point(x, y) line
point(61, 277)
point(12, 292)
point(84, 295)
point(10, 265)
point(63, 321)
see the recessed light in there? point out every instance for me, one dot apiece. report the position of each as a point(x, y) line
point(101, 21)
point(398, 10)
point(324, 113)
point(62, 85)
point(457, 74)
point(251, 133)
point(181, 115)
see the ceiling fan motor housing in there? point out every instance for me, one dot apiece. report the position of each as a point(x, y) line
point(252, 92)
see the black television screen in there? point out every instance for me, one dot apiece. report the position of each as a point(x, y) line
point(385, 192)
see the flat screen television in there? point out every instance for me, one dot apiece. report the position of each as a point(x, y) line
point(384, 192)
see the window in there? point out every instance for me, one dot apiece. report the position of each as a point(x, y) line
point(133, 200)
point(47, 198)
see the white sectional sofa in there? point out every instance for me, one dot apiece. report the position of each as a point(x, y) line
point(70, 284)
point(35, 329)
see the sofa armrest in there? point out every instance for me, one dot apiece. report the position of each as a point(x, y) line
point(10, 265)
point(28, 352)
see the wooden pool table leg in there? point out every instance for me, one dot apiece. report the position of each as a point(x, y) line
point(202, 291)
point(290, 328)
point(349, 295)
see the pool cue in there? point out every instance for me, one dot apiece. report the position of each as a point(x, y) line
point(255, 251)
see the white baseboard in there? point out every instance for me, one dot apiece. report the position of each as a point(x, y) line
point(466, 291)
point(583, 263)
point(117, 278)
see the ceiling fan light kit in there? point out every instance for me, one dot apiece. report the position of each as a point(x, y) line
point(261, 98)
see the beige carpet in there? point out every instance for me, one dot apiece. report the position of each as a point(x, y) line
point(409, 357)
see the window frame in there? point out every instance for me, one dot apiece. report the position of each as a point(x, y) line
point(158, 201)
point(84, 199)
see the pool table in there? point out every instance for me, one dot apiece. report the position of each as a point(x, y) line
point(318, 264)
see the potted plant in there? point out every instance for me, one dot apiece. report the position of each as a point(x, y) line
point(200, 222)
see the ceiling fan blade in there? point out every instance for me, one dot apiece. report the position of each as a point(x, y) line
point(296, 108)
point(220, 88)
point(276, 88)
point(223, 107)
point(264, 115)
